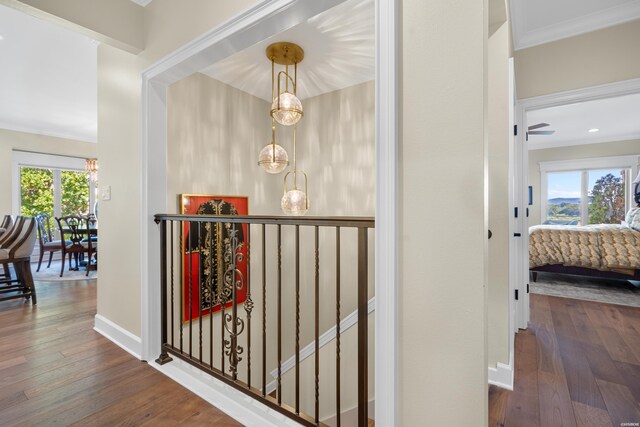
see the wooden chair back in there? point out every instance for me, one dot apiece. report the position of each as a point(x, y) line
point(43, 222)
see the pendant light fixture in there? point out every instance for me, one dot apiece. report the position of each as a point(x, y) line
point(286, 108)
point(273, 158)
point(295, 201)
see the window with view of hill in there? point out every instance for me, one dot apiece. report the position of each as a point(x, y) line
point(586, 195)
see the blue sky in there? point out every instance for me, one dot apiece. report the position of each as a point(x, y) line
point(567, 184)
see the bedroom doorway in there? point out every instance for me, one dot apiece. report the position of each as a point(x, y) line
point(590, 133)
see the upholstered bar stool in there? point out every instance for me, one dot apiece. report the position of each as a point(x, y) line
point(17, 251)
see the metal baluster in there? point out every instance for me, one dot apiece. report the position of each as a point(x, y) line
point(362, 327)
point(234, 316)
point(164, 357)
point(200, 298)
point(171, 248)
point(264, 310)
point(317, 326)
point(211, 294)
point(190, 311)
point(338, 411)
point(182, 252)
point(220, 286)
point(279, 314)
point(248, 306)
point(297, 319)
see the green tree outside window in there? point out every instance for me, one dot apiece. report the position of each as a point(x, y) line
point(75, 193)
point(36, 188)
point(607, 200)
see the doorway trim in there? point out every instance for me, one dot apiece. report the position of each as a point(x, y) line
point(263, 20)
point(608, 90)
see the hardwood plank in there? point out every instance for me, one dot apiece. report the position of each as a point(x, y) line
point(584, 327)
point(68, 374)
point(561, 317)
point(622, 406)
point(580, 380)
point(55, 369)
point(498, 399)
point(588, 416)
point(555, 403)
point(630, 377)
point(176, 413)
point(616, 346)
point(523, 408)
point(601, 364)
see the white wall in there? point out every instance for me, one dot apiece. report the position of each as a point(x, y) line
point(499, 129)
point(442, 290)
point(605, 149)
point(591, 59)
point(119, 154)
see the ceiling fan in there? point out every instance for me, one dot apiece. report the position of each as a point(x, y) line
point(531, 130)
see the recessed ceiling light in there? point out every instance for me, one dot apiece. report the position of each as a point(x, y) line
point(593, 130)
point(1, 37)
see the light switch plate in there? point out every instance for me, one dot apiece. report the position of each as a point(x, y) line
point(105, 193)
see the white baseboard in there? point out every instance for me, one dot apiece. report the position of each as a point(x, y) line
point(232, 402)
point(121, 337)
point(501, 376)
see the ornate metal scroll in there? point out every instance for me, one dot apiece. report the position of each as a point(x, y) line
point(233, 281)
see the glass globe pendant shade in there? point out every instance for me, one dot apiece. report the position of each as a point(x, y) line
point(290, 111)
point(273, 158)
point(294, 202)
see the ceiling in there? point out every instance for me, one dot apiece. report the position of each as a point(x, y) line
point(535, 22)
point(47, 79)
point(339, 46)
point(616, 118)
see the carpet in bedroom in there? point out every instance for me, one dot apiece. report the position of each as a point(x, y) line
point(587, 288)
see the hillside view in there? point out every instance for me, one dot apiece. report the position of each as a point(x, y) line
point(605, 204)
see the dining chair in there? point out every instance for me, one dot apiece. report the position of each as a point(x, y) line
point(7, 223)
point(5, 240)
point(45, 239)
point(17, 250)
point(73, 231)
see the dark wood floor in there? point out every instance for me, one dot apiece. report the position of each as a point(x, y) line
point(578, 364)
point(56, 370)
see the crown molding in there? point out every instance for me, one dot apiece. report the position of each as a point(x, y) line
point(569, 28)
